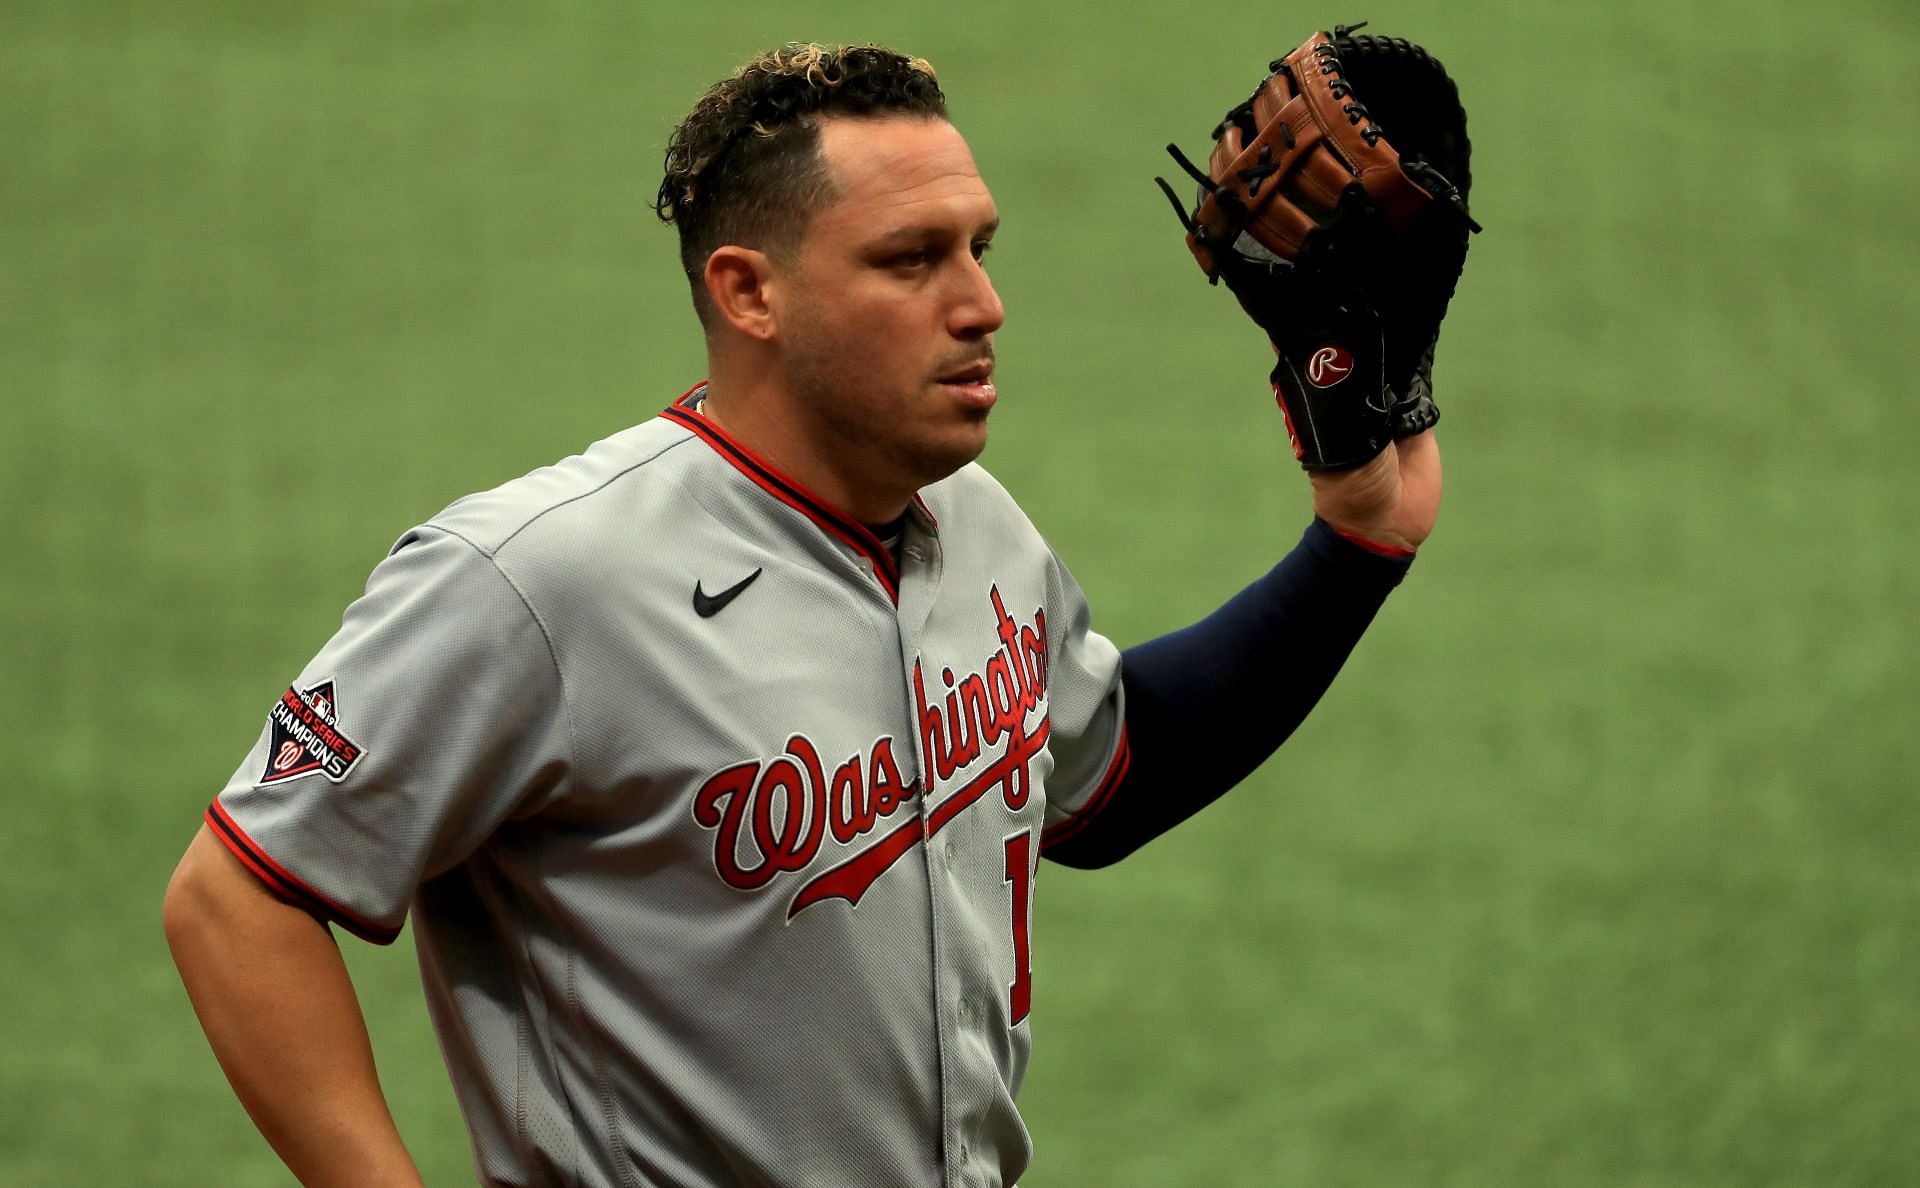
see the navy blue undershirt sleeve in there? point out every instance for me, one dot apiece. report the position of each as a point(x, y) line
point(1207, 704)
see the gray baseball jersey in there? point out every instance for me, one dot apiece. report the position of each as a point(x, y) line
point(718, 823)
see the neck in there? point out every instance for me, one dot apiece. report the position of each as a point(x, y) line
point(764, 417)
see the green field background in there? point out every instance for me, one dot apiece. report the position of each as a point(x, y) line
point(1597, 867)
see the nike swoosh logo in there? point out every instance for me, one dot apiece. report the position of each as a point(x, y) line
point(708, 605)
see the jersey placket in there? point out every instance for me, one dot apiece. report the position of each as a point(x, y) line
point(920, 567)
point(920, 572)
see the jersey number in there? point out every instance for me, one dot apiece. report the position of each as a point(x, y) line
point(1020, 875)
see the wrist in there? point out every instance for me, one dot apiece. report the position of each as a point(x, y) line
point(1381, 543)
point(1361, 502)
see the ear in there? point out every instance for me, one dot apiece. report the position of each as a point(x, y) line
point(741, 284)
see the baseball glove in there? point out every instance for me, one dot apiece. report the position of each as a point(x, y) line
point(1334, 206)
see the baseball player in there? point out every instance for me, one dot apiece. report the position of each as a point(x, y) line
point(714, 765)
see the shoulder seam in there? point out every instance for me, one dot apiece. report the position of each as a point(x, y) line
point(596, 489)
point(546, 636)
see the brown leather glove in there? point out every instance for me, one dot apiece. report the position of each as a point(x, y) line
point(1341, 226)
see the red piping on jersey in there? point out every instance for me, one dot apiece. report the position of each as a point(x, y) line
point(1116, 775)
point(831, 520)
point(925, 510)
point(285, 884)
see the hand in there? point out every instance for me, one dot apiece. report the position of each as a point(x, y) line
point(1392, 500)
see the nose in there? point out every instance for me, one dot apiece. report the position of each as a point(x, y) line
point(977, 311)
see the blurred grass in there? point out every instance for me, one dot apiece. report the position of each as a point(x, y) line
point(1596, 868)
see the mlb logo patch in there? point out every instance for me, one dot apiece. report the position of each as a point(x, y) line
point(306, 737)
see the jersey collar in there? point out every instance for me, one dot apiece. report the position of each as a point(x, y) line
point(825, 516)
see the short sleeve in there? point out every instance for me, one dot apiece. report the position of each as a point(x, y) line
point(433, 715)
point(1086, 710)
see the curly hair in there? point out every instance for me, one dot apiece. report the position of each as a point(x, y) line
point(744, 166)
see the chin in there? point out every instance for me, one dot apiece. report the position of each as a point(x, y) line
point(932, 461)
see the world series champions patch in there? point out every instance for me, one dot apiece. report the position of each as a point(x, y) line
point(306, 737)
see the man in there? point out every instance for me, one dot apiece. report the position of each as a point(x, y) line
point(714, 764)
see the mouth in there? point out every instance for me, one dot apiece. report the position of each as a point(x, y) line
point(972, 383)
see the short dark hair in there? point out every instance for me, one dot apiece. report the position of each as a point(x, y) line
point(744, 167)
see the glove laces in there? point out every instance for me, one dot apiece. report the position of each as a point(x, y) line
point(1328, 60)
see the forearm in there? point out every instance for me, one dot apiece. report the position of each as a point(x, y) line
point(1208, 704)
point(273, 995)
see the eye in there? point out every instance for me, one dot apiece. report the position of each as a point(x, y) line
point(917, 258)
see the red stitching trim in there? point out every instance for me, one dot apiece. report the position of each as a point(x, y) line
point(782, 487)
point(1110, 782)
point(1378, 548)
point(285, 883)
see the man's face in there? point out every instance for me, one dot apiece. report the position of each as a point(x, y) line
point(887, 335)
